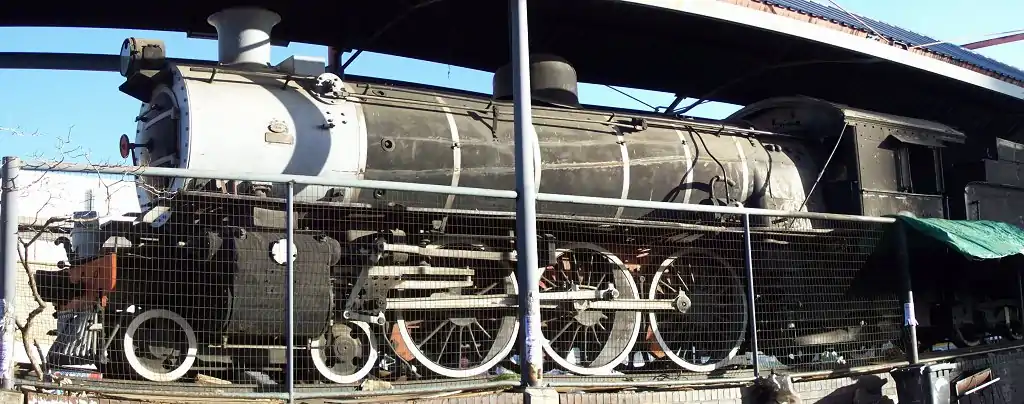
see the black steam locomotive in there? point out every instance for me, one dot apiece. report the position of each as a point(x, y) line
point(387, 278)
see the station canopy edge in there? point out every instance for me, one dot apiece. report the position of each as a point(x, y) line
point(628, 44)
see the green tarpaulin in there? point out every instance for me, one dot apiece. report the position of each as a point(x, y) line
point(934, 248)
point(978, 239)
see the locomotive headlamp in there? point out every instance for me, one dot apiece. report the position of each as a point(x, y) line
point(141, 54)
point(125, 145)
point(127, 148)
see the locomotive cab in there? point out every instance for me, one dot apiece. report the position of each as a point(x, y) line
point(874, 164)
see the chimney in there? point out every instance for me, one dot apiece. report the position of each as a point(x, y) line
point(243, 34)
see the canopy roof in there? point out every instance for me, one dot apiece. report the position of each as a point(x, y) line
point(725, 50)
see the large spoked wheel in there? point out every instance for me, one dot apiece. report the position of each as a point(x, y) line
point(347, 354)
point(579, 339)
point(469, 341)
point(964, 335)
point(711, 332)
point(160, 345)
point(1010, 327)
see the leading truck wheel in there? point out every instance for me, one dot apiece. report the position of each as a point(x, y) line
point(160, 345)
point(348, 355)
point(710, 333)
point(580, 339)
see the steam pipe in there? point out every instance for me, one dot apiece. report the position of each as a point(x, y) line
point(243, 35)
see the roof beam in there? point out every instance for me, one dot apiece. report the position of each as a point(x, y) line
point(994, 41)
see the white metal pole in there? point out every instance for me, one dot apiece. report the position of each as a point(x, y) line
point(289, 280)
point(748, 265)
point(531, 360)
point(9, 238)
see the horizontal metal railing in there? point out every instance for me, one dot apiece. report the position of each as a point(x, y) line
point(436, 189)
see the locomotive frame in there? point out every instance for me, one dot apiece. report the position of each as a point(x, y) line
point(255, 217)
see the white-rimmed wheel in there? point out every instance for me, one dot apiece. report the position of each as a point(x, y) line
point(160, 345)
point(468, 341)
point(347, 355)
point(1010, 326)
point(580, 339)
point(965, 334)
point(711, 331)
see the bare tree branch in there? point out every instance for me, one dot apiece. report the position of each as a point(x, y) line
point(26, 327)
point(44, 185)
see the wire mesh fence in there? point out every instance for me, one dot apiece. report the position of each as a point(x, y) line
point(815, 309)
point(393, 287)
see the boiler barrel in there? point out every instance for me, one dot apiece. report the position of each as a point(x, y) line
point(458, 140)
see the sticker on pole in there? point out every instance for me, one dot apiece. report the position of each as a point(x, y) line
point(909, 318)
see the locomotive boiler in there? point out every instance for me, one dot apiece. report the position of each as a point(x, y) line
point(381, 272)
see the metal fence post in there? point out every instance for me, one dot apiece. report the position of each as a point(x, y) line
point(531, 357)
point(9, 240)
point(289, 279)
point(909, 317)
point(1020, 292)
point(748, 264)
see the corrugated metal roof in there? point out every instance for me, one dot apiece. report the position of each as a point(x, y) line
point(898, 34)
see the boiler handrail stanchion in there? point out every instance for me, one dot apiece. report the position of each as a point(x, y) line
point(9, 241)
point(531, 359)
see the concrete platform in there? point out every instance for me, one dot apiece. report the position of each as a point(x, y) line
point(872, 388)
point(841, 390)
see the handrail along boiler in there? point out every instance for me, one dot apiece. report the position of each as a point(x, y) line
point(371, 298)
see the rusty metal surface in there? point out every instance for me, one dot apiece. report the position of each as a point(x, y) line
point(901, 36)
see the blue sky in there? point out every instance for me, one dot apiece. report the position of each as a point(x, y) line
point(86, 107)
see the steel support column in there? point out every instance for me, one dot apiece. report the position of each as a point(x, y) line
point(748, 265)
point(9, 241)
point(909, 316)
point(531, 361)
point(289, 280)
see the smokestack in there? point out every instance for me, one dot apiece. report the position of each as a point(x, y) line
point(243, 34)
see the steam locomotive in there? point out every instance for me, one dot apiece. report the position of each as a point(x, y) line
point(380, 273)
